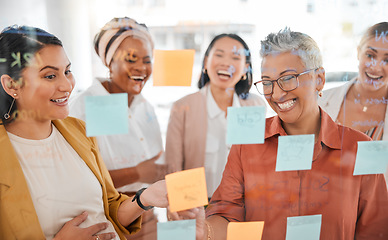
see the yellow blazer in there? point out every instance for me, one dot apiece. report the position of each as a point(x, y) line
point(18, 219)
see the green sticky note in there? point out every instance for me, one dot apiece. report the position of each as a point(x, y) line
point(295, 152)
point(176, 230)
point(304, 227)
point(246, 125)
point(371, 158)
point(106, 115)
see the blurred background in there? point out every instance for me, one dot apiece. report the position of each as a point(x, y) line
point(336, 25)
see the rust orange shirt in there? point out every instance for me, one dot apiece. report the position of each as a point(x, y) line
point(352, 207)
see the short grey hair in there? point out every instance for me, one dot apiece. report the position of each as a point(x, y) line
point(288, 41)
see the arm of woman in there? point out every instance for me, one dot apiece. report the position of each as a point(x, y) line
point(217, 227)
point(146, 172)
point(154, 195)
point(124, 176)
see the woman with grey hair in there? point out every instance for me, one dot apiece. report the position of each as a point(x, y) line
point(254, 189)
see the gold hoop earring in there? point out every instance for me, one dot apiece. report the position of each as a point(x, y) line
point(320, 93)
point(204, 71)
point(244, 77)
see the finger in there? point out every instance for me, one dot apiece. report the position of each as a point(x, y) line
point(79, 219)
point(174, 216)
point(97, 228)
point(105, 236)
point(188, 214)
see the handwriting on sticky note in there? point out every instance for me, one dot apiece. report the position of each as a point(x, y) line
point(245, 230)
point(371, 157)
point(186, 189)
point(173, 67)
point(106, 115)
point(246, 125)
point(304, 227)
point(295, 152)
point(176, 230)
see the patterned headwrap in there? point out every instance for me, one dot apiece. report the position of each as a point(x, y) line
point(114, 32)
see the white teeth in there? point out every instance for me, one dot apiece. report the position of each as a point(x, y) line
point(287, 104)
point(60, 100)
point(373, 76)
point(223, 72)
point(138, 78)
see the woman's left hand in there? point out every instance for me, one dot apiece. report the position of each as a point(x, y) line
point(197, 213)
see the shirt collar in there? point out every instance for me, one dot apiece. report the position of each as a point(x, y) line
point(329, 133)
point(212, 108)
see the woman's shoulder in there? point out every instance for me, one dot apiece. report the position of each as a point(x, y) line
point(190, 99)
point(336, 92)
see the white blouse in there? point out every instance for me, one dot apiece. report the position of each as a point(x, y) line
point(142, 142)
point(61, 185)
point(217, 150)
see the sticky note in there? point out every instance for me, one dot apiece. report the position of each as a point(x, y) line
point(371, 157)
point(304, 227)
point(173, 67)
point(295, 152)
point(245, 230)
point(176, 230)
point(106, 115)
point(246, 125)
point(186, 189)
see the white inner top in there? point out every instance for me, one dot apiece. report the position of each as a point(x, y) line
point(217, 150)
point(61, 185)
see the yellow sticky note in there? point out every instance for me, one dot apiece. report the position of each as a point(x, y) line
point(186, 189)
point(173, 67)
point(245, 230)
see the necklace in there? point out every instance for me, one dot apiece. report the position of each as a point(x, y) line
point(357, 99)
point(365, 104)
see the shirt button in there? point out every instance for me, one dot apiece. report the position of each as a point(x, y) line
point(141, 139)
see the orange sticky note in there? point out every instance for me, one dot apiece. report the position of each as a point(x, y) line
point(245, 230)
point(186, 189)
point(173, 67)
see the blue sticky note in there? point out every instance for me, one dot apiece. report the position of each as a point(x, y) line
point(371, 157)
point(176, 230)
point(295, 152)
point(304, 227)
point(106, 115)
point(245, 125)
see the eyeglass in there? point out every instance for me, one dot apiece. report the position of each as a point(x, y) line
point(286, 83)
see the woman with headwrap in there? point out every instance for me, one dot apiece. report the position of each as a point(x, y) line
point(125, 47)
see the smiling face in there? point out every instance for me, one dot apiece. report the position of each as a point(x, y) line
point(373, 64)
point(226, 63)
point(47, 85)
point(131, 66)
point(297, 107)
